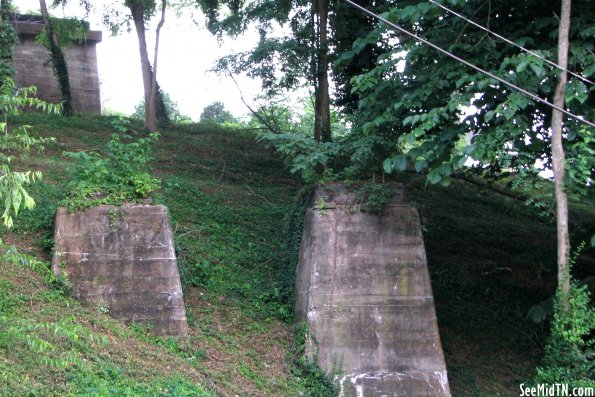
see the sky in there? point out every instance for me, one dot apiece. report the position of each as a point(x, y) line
point(187, 52)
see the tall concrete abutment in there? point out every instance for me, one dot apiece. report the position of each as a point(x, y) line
point(363, 288)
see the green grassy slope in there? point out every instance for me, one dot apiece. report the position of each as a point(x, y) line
point(490, 259)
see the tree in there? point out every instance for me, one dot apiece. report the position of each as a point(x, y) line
point(12, 183)
point(140, 12)
point(413, 101)
point(317, 33)
point(58, 61)
point(216, 113)
point(281, 62)
point(559, 157)
point(427, 90)
point(171, 110)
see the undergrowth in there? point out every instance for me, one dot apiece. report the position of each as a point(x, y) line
point(490, 259)
point(117, 176)
point(50, 345)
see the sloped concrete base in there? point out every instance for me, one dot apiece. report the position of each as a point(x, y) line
point(364, 290)
point(122, 259)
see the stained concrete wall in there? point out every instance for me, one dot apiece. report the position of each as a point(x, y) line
point(32, 65)
point(123, 259)
point(364, 290)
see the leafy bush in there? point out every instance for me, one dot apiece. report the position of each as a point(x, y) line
point(570, 351)
point(317, 382)
point(12, 191)
point(171, 109)
point(304, 155)
point(217, 114)
point(120, 175)
point(376, 196)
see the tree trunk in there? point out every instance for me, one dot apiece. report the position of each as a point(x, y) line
point(315, 44)
point(559, 158)
point(58, 62)
point(154, 108)
point(322, 123)
point(137, 12)
point(323, 103)
point(151, 106)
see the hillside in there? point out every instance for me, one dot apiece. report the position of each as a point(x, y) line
point(490, 257)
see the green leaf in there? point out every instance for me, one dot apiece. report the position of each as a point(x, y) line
point(537, 69)
point(576, 90)
point(446, 181)
point(489, 116)
point(445, 169)
point(434, 177)
point(421, 165)
point(400, 162)
point(388, 166)
point(521, 66)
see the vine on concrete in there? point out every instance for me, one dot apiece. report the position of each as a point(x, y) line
point(58, 62)
point(293, 233)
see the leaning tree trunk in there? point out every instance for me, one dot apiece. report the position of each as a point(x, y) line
point(151, 106)
point(154, 109)
point(136, 10)
point(58, 61)
point(559, 158)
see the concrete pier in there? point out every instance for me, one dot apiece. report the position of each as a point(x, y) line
point(364, 290)
point(122, 261)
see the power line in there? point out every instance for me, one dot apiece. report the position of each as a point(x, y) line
point(472, 66)
point(512, 42)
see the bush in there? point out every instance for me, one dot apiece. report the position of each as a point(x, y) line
point(118, 176)
point(570, 351)
point(17, 140)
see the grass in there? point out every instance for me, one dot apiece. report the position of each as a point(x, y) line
point(491, 258)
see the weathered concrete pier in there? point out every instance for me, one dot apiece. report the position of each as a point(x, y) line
point(122, 260)
point(364, 290)
point(33, 67)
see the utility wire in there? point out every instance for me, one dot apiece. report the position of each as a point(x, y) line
point(512, 42)
point(472, 66)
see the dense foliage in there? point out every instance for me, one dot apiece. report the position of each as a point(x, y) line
point(12, 183)
point(119, 175)
point(171, 109)
point(570, 351)
point(415, 104)
point(8, 38)
point(216, 113)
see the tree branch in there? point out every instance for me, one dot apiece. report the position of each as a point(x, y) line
point(268, 125)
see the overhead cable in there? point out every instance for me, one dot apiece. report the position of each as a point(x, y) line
point(554, 64)
point(472, 66)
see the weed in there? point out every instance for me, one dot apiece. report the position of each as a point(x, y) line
point(119, 176)
point(321, 204)
point(316, 381)
point(376, 195)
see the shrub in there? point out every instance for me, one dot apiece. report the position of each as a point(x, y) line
point(570, 351)
point(117, 176)
point(18, 140)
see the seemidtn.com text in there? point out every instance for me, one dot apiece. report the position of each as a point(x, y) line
point(556, 390)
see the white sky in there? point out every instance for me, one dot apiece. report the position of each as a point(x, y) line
point(186, 53)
